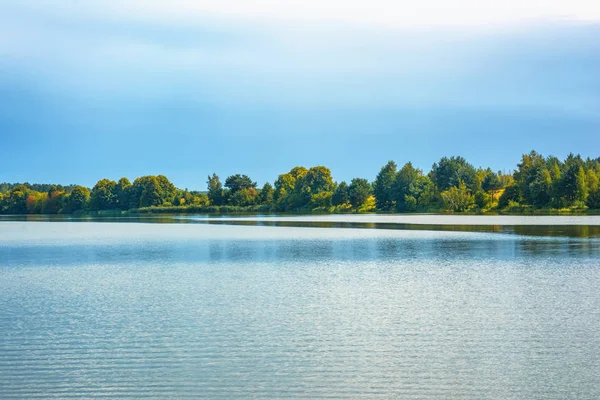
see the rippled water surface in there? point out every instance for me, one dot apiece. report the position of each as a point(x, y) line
point(199, 310)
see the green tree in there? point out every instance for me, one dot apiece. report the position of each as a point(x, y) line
point(511, 194)
point(491, 183)
point(404, 187)
point(151, 192)
point(103, 196)
point(316, 180)
point(243, 197)
point(458, 198)
point(168, 191)
point(79, 198)
point(238, 182)
point(383, 187)
point(581, 184)
point(284, 197)
point(321, 200)
point(266, 194)
point(539, 191)
point(482, 199)
point(593, 181)
point(16, 200)
point(529, 178)
point(341, 195)
point(571, 186)
point(359, 191)
point(412, 189)
point(215, 190)
point(123, 194)
point(451, 171)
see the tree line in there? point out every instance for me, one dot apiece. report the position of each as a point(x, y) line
point(452, 184)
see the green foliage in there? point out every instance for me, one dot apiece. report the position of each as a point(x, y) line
point(511, 194)
point(238, 182)
point(383, 187)
point(321, 200)
point(491, 183)
point(571, 186)
point(302, 189)
point(458, 198)
point(482, 200)
point(151, 192)
point(285, 196)
point(215, 190)
point(103, 196)
point(341, 195)
point(266, 194)
point(123, 193)
point(529, 178)
point(593, 181)
point(15, 202)
point(452, 183)
point(412, 189)
point(243, 197)
point(449, 172)
point(315, 181)
point(79, 198)
point(359, 191)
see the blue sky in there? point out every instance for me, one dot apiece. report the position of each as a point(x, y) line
point(108, 89)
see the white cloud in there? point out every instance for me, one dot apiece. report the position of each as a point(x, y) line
point(382, 13)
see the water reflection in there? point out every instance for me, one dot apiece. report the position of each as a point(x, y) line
point(557, 226)
point(300, 250)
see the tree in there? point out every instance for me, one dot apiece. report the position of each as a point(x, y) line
point(151, 193)
point(16, 200)
point(123, 193)
point(571, 186)
point(359, 191)
point(266, 194)
point(511, 194)
point(79, 198)
point(103, 196)
point(581, 193)
point(539, 191)
point(404, 187)
point(593, 181)
point(412, 189)
point(532, 179)
point(55, 200)
point(167, 191)
point(340, 195)
point(243, 197)
point(284, 197)
point(491, 183)
point(316, 180)
point(482, 199)
point(383, 187)
point(451, 171)
point(458, 198)
point(238, 182)
point(215, 190)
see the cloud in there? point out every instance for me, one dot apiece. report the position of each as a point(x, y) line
point(108, 52)
point(388, 13)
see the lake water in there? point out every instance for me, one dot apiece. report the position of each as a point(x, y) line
point(307, 307)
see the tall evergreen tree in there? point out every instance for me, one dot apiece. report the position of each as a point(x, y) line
point(383, 187)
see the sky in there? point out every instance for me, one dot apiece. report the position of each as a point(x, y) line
point(95, 89)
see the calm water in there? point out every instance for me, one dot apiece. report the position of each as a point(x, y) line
point(209, 310)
